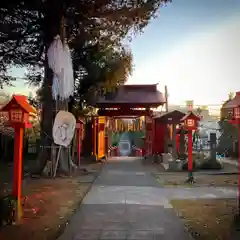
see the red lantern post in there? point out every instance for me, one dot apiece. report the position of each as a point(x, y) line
point(18, 110)
point(234, 105)
point(190, 123)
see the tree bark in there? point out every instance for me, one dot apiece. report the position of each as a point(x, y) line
point(52, 26)
point(65, 161)
point(46, 125)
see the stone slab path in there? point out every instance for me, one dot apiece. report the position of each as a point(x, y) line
point(126, 203)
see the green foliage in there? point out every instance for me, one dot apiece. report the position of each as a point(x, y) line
point(94, 30)
point(231, 95)
point(7, 210)
point(228, 136)
point(4, 97)
point(185, 165)
point(209, 164)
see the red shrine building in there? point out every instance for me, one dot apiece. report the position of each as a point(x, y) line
point(130, 101)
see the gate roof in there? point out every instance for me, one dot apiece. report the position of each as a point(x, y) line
point(171, 117)
point(132, 96)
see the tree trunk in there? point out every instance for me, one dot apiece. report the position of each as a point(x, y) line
point(52, 27)
point(46, 124)
point(65, 155)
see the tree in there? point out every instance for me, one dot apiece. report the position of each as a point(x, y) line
point(28, 28)
point(231, 95)
point(4, 97)
point(228, 136)
point(228, 131)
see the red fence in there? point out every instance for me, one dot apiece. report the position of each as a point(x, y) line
point(114, 152)
point(137, 152)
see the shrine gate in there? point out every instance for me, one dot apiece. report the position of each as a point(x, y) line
point(126, 101)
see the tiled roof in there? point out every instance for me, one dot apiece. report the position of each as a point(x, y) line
point(235, 102)
point(140, 94)
point(169, 116)
point(22, 101)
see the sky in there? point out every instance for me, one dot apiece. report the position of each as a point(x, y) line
point(193, 47)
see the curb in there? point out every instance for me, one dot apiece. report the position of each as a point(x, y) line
point(62, 226)
point(185, 228)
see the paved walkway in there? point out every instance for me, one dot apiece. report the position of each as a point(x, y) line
point(126, 202)
point(229, 161)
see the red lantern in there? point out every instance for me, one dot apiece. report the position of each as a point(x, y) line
point(236, 112)
point(190, 123)
point(234, 105)
point(17, 112)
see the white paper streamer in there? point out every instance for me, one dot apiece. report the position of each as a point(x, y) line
point(68, 82)
point(60, 61)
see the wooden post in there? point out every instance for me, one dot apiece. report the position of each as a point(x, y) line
point(190, 163)
point(17, 169)
point(166, 97)
point(95, 137)
point(174, 150)
point(238, 168)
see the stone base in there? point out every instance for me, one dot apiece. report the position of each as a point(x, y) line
point(165, 166)
point(166, 157)
point(173, 165)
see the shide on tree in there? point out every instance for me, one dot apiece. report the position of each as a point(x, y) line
point(95, 31)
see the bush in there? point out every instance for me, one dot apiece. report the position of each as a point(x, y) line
point(185, 165)
point(182, 156)
point(210, 165)
point(7, 210)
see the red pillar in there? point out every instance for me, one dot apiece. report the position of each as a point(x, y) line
point(239, 167)
point(190, 163)
point(177, 142)
point(17, 168)
point(78, 146)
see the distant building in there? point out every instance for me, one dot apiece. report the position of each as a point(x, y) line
point(204, 112)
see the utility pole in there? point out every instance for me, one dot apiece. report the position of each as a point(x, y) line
point(166, 130)
point(166, 97)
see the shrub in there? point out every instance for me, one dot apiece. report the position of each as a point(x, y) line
point(185, 165)
point(210, 165)
point(7, 210)
point(182, 156)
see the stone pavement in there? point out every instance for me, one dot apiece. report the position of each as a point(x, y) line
point(126, 202)
point(229, 161)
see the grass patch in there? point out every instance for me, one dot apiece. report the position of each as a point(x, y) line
point(49, 206)
point(178, 180)
point(207, 219)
